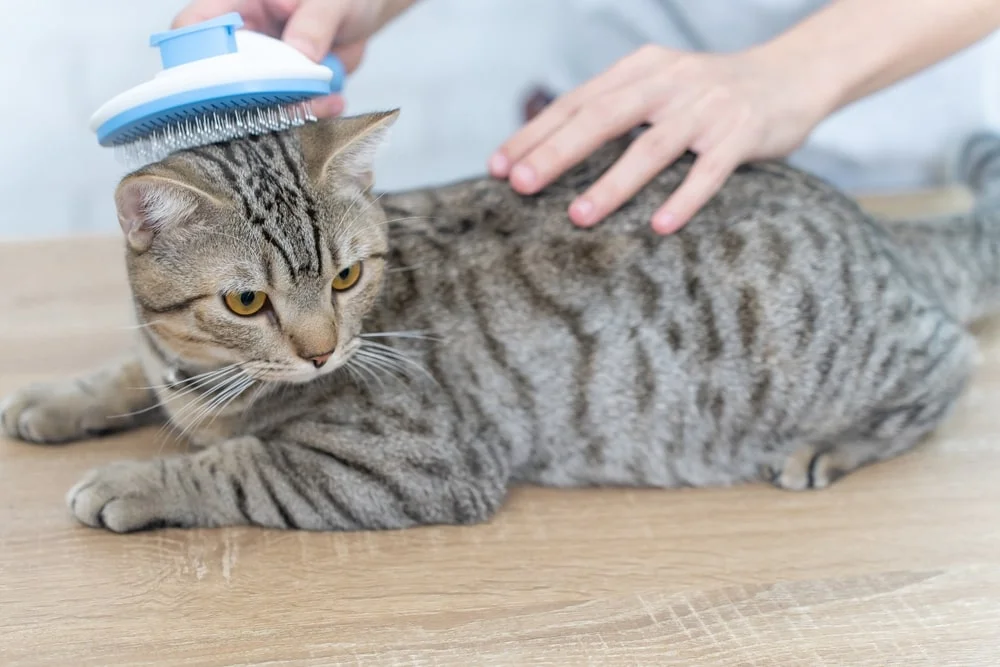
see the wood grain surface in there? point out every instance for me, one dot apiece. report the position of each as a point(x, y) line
point(898, 564)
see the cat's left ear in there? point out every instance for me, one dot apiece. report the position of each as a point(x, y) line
point(148, 203)
point(345, 147)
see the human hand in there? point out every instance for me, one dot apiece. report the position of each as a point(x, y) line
point(727, 109)
point(314, 27)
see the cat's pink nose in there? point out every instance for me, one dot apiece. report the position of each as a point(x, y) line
point(321, 359)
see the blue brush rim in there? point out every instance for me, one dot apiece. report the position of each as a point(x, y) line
point(215, 37)
point(142, 120)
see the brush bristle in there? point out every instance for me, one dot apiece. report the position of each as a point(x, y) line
point(211, 128)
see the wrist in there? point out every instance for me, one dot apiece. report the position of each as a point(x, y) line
point(391, 9)
point(805, 87)
point(854, 48)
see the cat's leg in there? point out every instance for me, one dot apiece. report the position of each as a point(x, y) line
point(356, 483)
point(929, 389)
point(819, 466)
point(114, 398)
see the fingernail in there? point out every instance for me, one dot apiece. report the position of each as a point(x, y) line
point(663, 223)
point(523, 175)
point(499, 164)
point(582, 212)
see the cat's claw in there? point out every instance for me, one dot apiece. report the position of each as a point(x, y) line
point(126, 497)
point(808, 467)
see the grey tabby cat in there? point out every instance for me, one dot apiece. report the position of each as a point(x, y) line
point(348, 361)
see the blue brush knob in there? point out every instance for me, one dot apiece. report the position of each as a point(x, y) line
point(215, 37)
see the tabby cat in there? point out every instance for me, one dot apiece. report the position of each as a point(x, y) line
point(342, 360)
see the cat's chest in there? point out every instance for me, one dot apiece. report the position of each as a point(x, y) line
point(206, 417)
point(204, 407)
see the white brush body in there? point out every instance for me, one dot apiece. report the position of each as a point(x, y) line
point(258, 57)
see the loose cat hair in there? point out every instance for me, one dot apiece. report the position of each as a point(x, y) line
point(343, 359)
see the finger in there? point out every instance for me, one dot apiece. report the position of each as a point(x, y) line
point(280, 10)
point(642, 161)
point(351, 54)
point(268, 16)
point(312, 27)
point(556, 114)
point(598, 121)
point(707, 175)
point(202, 10)
point(328, 106)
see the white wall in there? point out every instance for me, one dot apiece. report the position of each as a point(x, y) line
point(451, 66)
point(456, 68)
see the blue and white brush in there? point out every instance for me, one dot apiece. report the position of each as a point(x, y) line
point(217, 83)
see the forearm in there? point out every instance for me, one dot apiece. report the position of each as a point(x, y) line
point(392, 9)
point(853, 48)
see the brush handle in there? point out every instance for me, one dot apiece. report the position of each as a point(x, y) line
point(339, 73)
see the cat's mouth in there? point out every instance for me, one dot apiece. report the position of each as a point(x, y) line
point(306, 371)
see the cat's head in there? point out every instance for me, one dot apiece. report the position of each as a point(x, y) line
point(266, 251)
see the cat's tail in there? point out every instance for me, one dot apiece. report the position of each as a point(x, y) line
point(957, 258)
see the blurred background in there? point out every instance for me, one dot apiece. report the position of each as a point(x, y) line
point(459, 70)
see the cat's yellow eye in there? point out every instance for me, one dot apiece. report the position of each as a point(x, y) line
point(246, 303)
point(347, 278)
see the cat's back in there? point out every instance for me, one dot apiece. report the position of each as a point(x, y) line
point(777, 264)
point(776, 314)
point(778, 268)
point(769, 220)
point(481, 211)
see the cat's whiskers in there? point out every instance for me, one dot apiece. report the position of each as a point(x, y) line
point(356, 219)
point(222, 386)
point(347, 212)
point(173, 421)
point(417, 335)
point(379, 365)
point(198, 381)
point(392, 355)
point(212, 407)
point(217, 407)
point(356, 376)
point(392, 369)
point(260, 391)
point(362, 366)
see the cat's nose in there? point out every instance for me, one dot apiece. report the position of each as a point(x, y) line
point(321, 359)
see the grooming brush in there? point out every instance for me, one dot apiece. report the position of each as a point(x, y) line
point(217, 83)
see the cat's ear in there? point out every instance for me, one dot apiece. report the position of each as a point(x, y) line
point(345, 147)
point(148, 204)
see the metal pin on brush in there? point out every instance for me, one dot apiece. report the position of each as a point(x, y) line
point(217, 83)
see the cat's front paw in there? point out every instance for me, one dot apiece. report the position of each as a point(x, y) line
point(56, 413)
point(129, 496)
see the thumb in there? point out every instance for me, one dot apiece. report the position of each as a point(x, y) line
point(313, 26)
point(202, 10)
point(351, 54)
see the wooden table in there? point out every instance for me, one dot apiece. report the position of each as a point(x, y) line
point(896, 565)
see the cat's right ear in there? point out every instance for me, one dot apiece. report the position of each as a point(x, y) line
point(148, 204)
point(344, 147)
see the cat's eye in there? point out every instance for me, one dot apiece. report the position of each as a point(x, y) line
point(245, 303)
point(347, 278)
